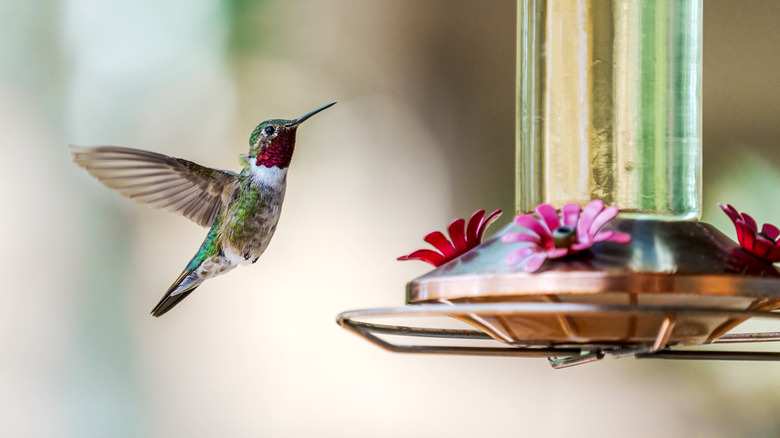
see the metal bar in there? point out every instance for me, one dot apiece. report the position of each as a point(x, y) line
point(567, 362)
point(664, 333)
point(421, 331)
point(748, 337)
point(567, 322)
point(712, 355)
point(624, 352)
point(559, 356)
point(364, 330)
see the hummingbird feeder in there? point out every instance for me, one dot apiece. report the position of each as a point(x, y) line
point(607, 255)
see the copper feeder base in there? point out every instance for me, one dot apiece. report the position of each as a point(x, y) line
point(688, 264)
point(675, 284)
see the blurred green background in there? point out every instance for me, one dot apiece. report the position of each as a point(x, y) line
point(423, 133)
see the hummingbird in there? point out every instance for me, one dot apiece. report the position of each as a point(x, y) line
point(241, 210)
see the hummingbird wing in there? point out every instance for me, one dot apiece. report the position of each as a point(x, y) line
point(161, 181)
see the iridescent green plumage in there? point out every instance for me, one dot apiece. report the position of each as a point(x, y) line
point(259, 129)
point(209, 247)
point(246, 207)
point(242, 210)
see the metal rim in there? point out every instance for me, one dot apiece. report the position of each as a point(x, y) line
point(681, 258)
point(521, 284)
point(560, 356)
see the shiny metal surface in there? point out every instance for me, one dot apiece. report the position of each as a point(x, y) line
point(688, 264)
point(559, 355)
point(663, 257)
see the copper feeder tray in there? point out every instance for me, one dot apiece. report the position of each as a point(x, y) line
point(676, 284)
point(559, 355)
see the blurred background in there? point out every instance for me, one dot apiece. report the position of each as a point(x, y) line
point(423, 133)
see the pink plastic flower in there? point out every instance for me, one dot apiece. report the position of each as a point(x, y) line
point(761, 244)
point(463, 238)
point(553, 236)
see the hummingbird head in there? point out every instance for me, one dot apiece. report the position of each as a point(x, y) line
point(273, 141)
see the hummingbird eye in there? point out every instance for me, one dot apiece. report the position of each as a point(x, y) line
point(269, 130)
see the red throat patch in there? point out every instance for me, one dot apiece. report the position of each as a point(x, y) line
point(279, 152)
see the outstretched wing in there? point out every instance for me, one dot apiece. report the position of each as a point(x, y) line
point(161, 181)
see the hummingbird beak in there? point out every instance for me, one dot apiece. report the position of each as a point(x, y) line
point(303, 118)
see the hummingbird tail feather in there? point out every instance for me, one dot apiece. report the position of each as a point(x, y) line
point(187, 282)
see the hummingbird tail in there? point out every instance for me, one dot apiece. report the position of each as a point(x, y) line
point(187, 282)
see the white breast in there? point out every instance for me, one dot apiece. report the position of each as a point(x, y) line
point(272, 177)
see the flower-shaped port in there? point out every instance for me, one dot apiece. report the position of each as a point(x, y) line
point(762, 244)
point(463, 238)
point(552, 235)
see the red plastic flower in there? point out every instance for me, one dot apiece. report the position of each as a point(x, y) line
point(462, 239)
point(554, 236)
point(761, 244)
